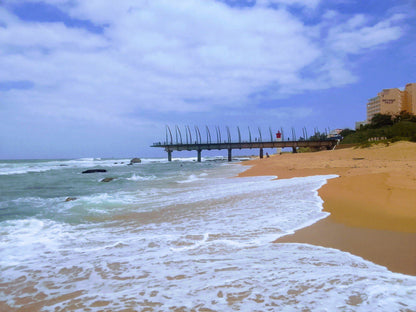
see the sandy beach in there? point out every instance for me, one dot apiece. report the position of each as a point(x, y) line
point(372, 204)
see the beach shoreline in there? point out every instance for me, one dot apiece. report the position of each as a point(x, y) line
point(372, 203)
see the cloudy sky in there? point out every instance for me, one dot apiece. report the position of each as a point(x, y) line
point(103, 78)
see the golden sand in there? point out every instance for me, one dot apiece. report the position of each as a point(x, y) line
point(372, 203)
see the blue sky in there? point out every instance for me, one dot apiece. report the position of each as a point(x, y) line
point(100, 78)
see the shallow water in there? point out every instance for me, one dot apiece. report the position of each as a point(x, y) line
point(180, 236)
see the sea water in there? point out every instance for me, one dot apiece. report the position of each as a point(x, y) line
point(174, 236)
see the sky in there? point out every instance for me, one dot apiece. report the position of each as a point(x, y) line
point(102, 78)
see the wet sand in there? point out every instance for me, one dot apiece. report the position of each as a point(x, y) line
point(372, 204)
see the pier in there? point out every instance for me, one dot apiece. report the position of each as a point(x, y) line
point(198, 145)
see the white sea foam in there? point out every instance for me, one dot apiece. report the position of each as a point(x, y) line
point(107, 203)
point(154, 160)
point(144, 267)
point(12, 168)
point(190, 179)
point(200, 245)
point(22, 167)
point(86, 159)
point(137, 177)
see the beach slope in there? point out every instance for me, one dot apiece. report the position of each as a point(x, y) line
point(372, 204)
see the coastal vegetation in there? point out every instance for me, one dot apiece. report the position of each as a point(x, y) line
point(383, 128)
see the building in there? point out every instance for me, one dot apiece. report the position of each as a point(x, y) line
point(359, 124)
point(410, 98)
point(334, 133)
point(393, 101)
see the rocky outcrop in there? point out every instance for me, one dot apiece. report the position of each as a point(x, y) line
point(94, 170)
point(135, 161)
point(107, 179)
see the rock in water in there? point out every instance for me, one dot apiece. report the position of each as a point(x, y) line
point(135, 161)
point(94, 170)
point(107, 179)
point(70, 199)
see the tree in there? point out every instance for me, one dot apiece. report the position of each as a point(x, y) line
point(318, 136)
point(404, 116)
point(381, 120)
point(346, 132)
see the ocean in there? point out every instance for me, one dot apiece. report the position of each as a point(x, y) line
point(178, 236)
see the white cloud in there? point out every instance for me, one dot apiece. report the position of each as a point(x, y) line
point(189, 55)
point(48, 36)
point(309, 4)
point(356, 35)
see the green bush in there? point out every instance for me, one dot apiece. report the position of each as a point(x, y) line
point(404, 129)
point(304, 150)
point(397, 139)
point(400, 130)
point(365, 144)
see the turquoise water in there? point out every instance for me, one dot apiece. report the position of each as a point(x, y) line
point(179, 236)
point(39, 188)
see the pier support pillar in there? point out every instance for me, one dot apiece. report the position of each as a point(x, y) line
point(261, 152)
point(199, 155)
point(169, 155)
point(294, 150)
point(229, 154)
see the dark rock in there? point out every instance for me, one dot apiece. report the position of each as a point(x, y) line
point(94, 170)
point(70, 199)
point(135, 161)
point(107, 179)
